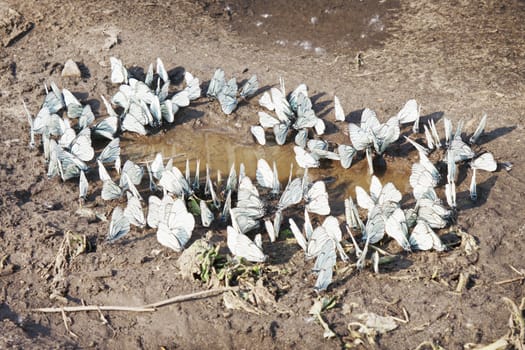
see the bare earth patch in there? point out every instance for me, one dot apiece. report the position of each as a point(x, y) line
point(459, 58)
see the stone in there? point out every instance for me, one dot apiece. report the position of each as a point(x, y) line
point(12, 25)
point(71, 70)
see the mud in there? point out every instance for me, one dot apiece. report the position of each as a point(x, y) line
point(458, 59)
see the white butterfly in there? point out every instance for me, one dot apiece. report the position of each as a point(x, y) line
point(176, 232)
point(316, 199)
point(379, 194)
point(206, 214)
point(433, 131)
point(346, 155)
point(424, 238)
point(479, 130)
point(294, 96)
point(450, 192)
point(231, 182)
point(266, 177)
point(352, 215)
point(396, 227)
point(338, 109)
point(119, 73)
point(447, 125)
point(228, 96)
point(292, 194)
point(174, 182)
point(429, 138)
point(460, 150)
point(281, 132)
point(266, 101)
point(31, 127)
point(111, 152)
point(118, 226)
point(216, 84)
point(74, 107)
point(181, 99)
point(410, 113)
point(107, 127)
point(134, 212)
point(258, 132)
point(250, 87)
point(375, 226)
point(424, 176)
point(53, 101)
point(158, 210)
point(242, 246)
point(281, 106)
point(134, 171)
point(483, 162)
point(305, 159)
point(161, 71)
point(299, 237)
point(83, 185)
point(301, 138)
point(192, 86)
point(430, 209)
point(324, 266)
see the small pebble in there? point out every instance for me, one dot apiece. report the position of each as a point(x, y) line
point(71, 70)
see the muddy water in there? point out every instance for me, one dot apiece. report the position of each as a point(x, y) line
point(220, 151)
point(311, 26)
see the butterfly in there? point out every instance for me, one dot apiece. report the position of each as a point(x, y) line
point(242, 246)
point(206, 214)
point(177, 230)
point(316, 199)
point(250, 87)
point(483, 162)
point(133, 171)
point(430, 210)
point(396, 227)
point(134, 211)
point(192, 88)
point(111, 152)
point(174, 182)
point(479, 130)
point(305, 159)
point(216, 84)
point(259, 134)
point(73, 105)
point(119, 225)
point(83, 185)
point(119, 74)
point(158, 209)
point(266, 177)
point(228, 96)
point(424, 238)
point(338, 110)
point(379, 194)
point(410, 113)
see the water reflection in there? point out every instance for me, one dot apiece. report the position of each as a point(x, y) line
point(220, 151)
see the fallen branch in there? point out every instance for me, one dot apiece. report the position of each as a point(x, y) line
point(144, 308)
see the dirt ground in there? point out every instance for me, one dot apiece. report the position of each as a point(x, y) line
point(457, 58)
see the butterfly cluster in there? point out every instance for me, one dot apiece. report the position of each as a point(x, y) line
point(175, 198)
point(228, 93)
point(148, 103)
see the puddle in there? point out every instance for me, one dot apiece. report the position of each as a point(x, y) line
point(220, 151)
point(312, 26)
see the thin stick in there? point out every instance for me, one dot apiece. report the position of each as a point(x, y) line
point(93, 308)
point(510, 280)
point(188, 297)
point(144, 308)
point(64, 318)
